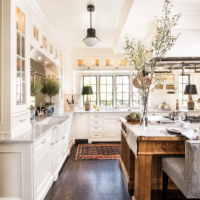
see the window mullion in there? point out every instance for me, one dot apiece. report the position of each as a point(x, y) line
point(131, 91)
point(98, 91)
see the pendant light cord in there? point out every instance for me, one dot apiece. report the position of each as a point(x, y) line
point(90, 19)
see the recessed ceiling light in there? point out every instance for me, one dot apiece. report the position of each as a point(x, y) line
point(46, 62)
point(39, 58)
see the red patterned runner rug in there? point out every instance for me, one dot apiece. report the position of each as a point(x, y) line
point(98, 152)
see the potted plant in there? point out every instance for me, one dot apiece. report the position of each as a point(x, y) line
point(36, 86)
point(145, 79)
point(51, 87)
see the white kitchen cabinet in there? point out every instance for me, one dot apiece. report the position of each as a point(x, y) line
point(43, 171)
point(109, 63)
point(69, 85)
point(121, 63)
point(95, 63)
point(82, 63)
point(58, 155)
point(81, 126)
point(111, 129)
point(65, 143)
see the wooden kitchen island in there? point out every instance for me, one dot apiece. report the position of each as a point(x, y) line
point(144, 173)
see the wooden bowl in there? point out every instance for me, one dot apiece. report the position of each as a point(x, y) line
point(132, 120)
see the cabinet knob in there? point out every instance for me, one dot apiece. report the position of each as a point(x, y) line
point(96, 127)
point(153, 114)
point(96, 134)
point(96, 121)
point(63, 137)
point(22, 120)
point(52, 143)
point(96, 116)
point(41, 46)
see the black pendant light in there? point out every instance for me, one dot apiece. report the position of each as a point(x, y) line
point(91, 40)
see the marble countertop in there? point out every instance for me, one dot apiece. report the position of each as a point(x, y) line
point(120, 111)
point(30, 136)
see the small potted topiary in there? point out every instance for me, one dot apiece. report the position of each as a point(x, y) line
point(51, 87)
point(36, 86)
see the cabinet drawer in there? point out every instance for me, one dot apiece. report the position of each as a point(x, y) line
point(96, 122)
point(96, 128)
point(41, 143)
point(96, 134)
point(95, 117)
point(21, 121)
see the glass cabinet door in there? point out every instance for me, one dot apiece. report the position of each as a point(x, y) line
point(20, 58)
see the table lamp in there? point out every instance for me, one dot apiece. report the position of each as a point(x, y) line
point(190, 89)
point(87, 90)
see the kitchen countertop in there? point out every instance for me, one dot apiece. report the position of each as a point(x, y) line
point(30, 136)
point(120, 110)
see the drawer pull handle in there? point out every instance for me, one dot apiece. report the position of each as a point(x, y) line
point(96, 134)
point(43, 142)
point(52, 143)
point(96, 127)
point(96, 121)
point(63, 137)
point(96, 116)
point(22, 120)
point(153, 114)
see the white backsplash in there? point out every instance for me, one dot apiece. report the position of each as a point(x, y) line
point(170, 99)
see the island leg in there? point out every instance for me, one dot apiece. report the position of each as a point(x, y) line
point(142, 183)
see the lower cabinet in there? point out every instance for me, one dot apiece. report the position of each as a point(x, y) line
point(48, 161)
point(97, 127)
point(111, 129)
point(43, 171)
point(81, 126)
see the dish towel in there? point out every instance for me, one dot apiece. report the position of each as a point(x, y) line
point(189, 134)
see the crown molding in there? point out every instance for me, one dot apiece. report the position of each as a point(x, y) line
point(39, 13)
point(124, 15)
point(91, 51)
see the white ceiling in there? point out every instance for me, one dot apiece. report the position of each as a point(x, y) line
point(70, 20)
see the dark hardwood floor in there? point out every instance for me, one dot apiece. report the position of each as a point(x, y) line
point(93, 180)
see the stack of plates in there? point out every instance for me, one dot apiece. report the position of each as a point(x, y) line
point(174, 130)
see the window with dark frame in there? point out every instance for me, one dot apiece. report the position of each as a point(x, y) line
point(135, 97)
point(90, 81)
point(123, 90)
point(106, 91)
point(184, 79)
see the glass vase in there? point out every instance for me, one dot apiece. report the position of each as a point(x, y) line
point(144, 112)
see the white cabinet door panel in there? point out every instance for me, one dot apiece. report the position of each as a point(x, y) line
point(43, 171)
point(81, 126)
point(111, 128)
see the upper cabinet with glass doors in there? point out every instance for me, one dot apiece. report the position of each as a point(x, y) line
point(21, 82)
point(121, 63)
point(109, 63)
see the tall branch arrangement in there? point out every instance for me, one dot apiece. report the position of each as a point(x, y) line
point(161, 44)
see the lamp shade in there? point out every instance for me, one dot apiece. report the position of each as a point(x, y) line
point(91, 40)
point(87, 90)
point(190, 89)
